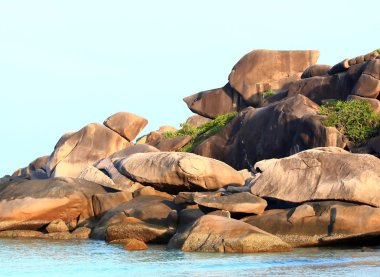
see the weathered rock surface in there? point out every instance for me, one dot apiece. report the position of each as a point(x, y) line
point(35, 203)
point(106, 201)
point(261, 70)
point(320, 174)
point(275, 131)
point(35, 170)
point(315, 70)
point(321, 223)
point(127, 125)
point(132, 228)
point(76, 151)
point(93, 174)
point(212, 103)
point(107, 165)
point(243, 202)
point(134, 244)
point(197, 120)
point(170, 144)
point(212, 233)
point(153, 210)
point(362, 79)
point(56, 226)
point(174, 171)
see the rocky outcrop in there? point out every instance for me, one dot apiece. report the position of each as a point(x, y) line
point(212, 103)
point(262, 70)
point(275, 131)
point(106, 201)
point(321, 223)
point(320, 174)
point(212, 233)
point(33, 204)
point(127, 125)
point(76, 151)
point(174, 172)
point(362, 79)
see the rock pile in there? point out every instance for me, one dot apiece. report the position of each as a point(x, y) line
point(273, 178)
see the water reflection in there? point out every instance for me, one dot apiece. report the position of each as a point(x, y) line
point(96, 258)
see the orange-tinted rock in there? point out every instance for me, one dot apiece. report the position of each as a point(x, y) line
point(56, 226)
point(127, 125)
point(106, 201)
point(76, 151)
point(134, 244)
point(261, 70)
point(35, 203)
point(170, 144)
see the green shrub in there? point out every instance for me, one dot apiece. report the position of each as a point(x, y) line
point(356, 119)
point(378, 50)
point(199, 134)
point(268, 93)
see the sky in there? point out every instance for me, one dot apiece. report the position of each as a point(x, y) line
point(65, 64)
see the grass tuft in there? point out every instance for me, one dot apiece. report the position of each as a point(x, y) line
point(199, 134)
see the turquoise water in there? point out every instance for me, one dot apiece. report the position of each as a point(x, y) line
point(26, 257)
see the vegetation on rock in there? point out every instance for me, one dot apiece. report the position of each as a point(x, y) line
point(356, 119)
point(268, 93)
point(378, 50)
point(199, 134)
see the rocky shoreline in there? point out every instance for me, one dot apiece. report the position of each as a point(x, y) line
point(255, 170)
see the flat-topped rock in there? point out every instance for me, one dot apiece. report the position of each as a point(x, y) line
point(175, 171)
point(243, 202)
point(76, 151)
point(127, 125)
point(262, 70)
point(212, 233)
point(320, 174)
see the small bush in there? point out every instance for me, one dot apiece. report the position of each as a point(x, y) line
point(356, 119)
point(199, 134)
point(268, 93)
point(378, 50)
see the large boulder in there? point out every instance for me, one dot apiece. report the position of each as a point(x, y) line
point(212, 103)
point(174, 171)
point(155, 211)
point(104, 202)
point(322, 223)
point(243, 202)
point(76, 151)
point(35, 203)
point(320, 174)
point(262, 70)
point(212, 233)
point(316, 70)
point(275, 131)
point(107, 165)
point(170, 144)
point(127, 125)
point(361, 79)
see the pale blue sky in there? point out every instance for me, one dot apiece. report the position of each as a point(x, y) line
point(64, 64)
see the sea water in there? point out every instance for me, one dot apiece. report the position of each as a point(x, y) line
point(36, 257)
